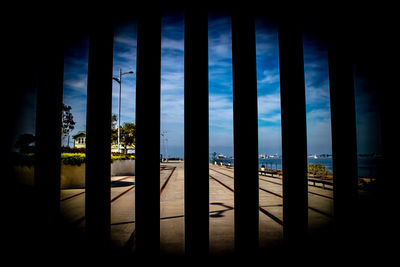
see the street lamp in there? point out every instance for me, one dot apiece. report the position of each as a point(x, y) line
point(164, 139)
point(119, 80)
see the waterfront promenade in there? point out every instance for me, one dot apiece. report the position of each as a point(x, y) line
point(221, 210)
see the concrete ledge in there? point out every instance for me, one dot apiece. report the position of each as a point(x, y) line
point(123, 167)
point(73, 176)
point(24, 174)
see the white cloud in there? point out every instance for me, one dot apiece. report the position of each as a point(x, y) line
point(220, 122)
point(219, 40)
point(269, 77)
point(266, 42)
point(125, 45)
point(172, 82)
point(171, 63)
point(172, 117)
point(77, 83)
point(220, 111)
point(271, 118)
point(220, 50)
point(126, 57)
point(172, 108)
point(125, 39)
point(269, 107)
point(319, 114)
point(318, 94)
point(168, 43)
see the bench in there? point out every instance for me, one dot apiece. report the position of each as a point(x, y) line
point(322, 181)
point(265, 172)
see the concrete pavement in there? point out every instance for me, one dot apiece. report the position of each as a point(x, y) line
point(172, 232)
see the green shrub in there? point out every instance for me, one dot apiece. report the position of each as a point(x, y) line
point(73, 158)
point(121, 156)
point(28, 159)
point(23, 159)
point(66, 149)
point(318, 169)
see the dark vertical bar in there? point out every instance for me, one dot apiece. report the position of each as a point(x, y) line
point(294, 135)
point(98, 144)
point(386, 198)
point(196, 133)
point(343, 121)
point(245, 127)
point(147, 210)
point(48, 129)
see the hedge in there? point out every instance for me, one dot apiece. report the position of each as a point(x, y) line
point(73, 158)
point(318, 169)
point(66, 158)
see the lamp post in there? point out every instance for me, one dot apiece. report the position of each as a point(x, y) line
point(119, 80)
point(166, 149)
point(164, 140)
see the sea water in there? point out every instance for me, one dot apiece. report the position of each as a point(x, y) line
point(367, 166)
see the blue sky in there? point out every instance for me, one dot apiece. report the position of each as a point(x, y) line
point(316, 77)
point(220, 85)
point(268, 88)
point(75, 83)
point(220, 88)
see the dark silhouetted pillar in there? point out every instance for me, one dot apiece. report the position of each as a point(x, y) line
point(147, 210)
point(48, 128)
point(245, 125)
point(294, 135)
point(98, 134)
point(196, 133)
point(343, 120)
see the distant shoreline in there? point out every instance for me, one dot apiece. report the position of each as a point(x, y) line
point(367, 166)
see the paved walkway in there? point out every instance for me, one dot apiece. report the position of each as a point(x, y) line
point(221, 210)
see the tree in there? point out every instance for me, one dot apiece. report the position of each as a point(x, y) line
point(114, 129)
point(128, 135)
point(68, 123)
point(318, 169)
point(24, 143)
point(214, 157)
